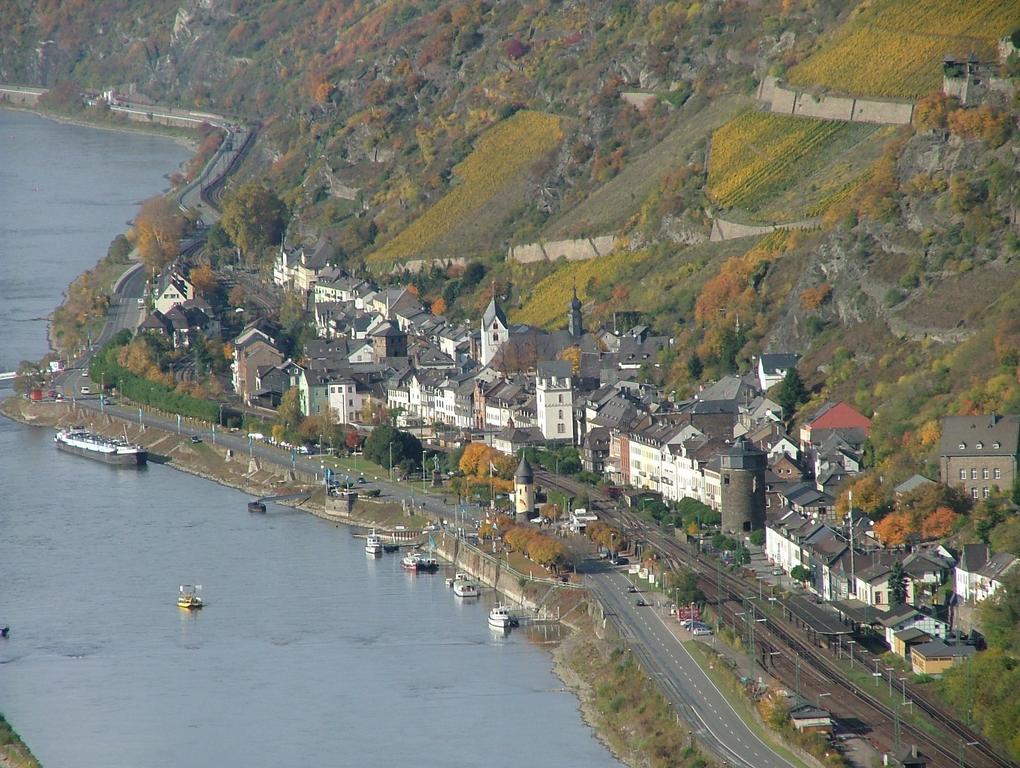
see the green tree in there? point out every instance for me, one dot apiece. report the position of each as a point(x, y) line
point(800, 573)
point(685, 584)
point(253, 217)
point(897, 585)
point(695, 367)
point(758, 537)
point(406, 448)
point(792, 393)
point(120, 249)
point(289, 413)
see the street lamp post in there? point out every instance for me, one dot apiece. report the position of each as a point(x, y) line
point(890, 671)
point(391, 461)
point(850, 646)
point(423, 489)
point(962, 745)
point(820, 697)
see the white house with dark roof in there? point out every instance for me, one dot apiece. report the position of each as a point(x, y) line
point(172, 289)
point(773, 367)
point(300, 269)
point(980, 574)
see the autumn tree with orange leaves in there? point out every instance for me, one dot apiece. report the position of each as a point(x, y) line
point(938, 524)
point(157, 232)
point(894, 529)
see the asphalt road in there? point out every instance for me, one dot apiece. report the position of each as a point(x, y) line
point(715, 723)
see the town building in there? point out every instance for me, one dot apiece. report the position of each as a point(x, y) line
point(979, 453)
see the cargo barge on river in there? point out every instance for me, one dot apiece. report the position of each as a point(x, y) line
point(80, 441)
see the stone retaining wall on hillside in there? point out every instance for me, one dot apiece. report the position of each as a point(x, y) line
point(731, 230)
point(783, 100)
point(417, 265)
point(581, 249)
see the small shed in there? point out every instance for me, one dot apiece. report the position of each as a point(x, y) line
point(936, 657)
point(810, 719)
point(906, 639)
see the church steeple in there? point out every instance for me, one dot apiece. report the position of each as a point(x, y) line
point(574, 324)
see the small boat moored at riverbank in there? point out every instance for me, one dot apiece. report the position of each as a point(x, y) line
point(466, 588)
point(256, 506)
point(373, 545)
point(80, 441)
point(411, 561)
point(188, 598)
point(500, 617)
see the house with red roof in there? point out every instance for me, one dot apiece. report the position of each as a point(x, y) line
point(832, 418)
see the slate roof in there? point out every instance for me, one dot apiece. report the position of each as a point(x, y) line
point(940, 649)
point(774, 362)
point(961, 435)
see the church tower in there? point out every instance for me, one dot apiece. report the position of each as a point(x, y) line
point(574, 324)
point(495, 331)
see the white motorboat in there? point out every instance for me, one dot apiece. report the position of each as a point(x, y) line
point(411, 561)
point(499, 617)
point(373, 545)
point(465, 588)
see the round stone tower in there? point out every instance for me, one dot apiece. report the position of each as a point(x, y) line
point(742, 487)
point(524, 489)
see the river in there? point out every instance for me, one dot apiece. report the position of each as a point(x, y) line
point(307, 651)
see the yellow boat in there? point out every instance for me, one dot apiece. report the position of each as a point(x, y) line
point(188, 598)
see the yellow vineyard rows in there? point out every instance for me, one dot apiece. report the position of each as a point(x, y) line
point(758, 154)
point(547, 304)
point(895, 48)
point(500, 154)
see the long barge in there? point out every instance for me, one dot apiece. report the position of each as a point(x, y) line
point(80, 441)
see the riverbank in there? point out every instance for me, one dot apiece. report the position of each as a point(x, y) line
point(179, 136)
point(13, 751)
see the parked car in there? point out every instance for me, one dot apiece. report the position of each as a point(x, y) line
point(640, 602)
point(196, 439)
point(619, 560)
point(699, 631)
point(86, 391)
point(632, 588)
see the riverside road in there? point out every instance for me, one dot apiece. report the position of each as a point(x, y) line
point(692, 694)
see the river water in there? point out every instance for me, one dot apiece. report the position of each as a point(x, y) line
point(307, 651)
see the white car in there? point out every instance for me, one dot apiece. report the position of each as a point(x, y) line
point(86, 391)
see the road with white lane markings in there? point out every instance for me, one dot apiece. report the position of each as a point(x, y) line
point(699, 702)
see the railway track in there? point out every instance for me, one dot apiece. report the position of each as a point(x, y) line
point(794, 659)
point(212, 193)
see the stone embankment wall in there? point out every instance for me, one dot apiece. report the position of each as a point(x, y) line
point(784, 100)
point(491, 571)
point(581, 249)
